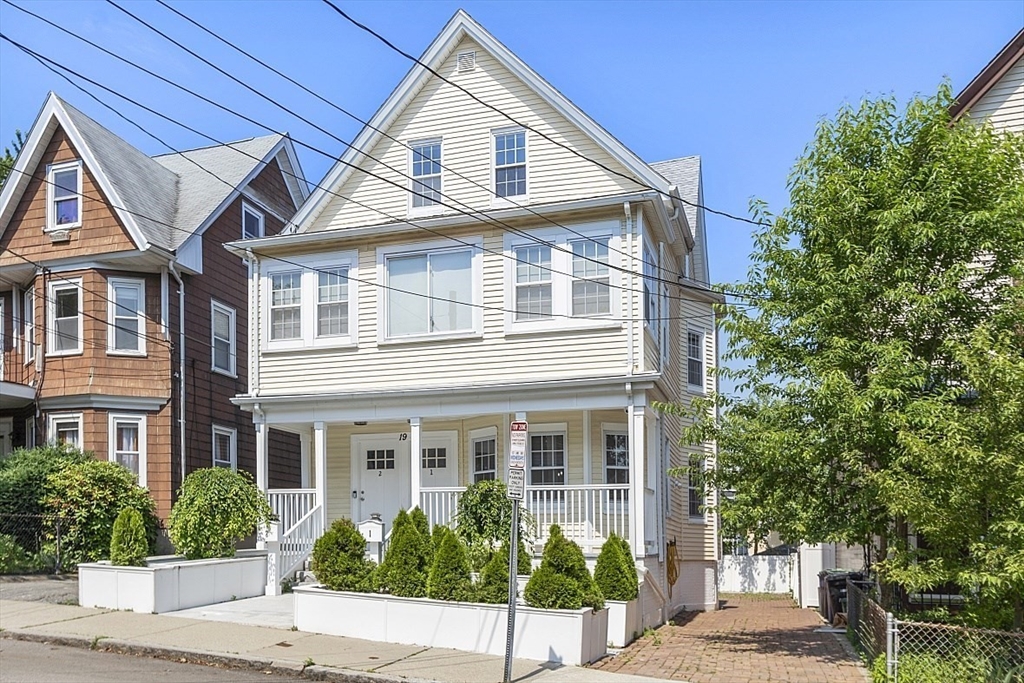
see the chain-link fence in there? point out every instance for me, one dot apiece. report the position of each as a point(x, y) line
point(901, 651)
point(30, 544)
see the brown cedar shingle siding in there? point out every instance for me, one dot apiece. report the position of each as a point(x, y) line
point(101, 233)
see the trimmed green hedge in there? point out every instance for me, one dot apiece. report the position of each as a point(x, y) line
point(563, 580)
point(339, 560)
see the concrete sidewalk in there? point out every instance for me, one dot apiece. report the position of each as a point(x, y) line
point(270, 649)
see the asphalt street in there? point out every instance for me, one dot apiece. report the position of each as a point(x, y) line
point(27, 662)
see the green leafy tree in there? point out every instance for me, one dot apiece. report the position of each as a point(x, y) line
point(339, 558)
point(23, 488)
point(86, 498)
point(449, 574)
point(484, 521)
point(8, 159)
point(128, 543)
point(615, 573)
point(902, 241)
point(216, 508)
point(404, 569)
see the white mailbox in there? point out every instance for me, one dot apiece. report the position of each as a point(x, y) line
point(372, 530)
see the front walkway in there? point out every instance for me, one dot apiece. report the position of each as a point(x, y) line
point(753, 638)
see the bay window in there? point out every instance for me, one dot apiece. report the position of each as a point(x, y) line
point(65, 428)
point(127, 316)
point(64, 307)
point(127, 444)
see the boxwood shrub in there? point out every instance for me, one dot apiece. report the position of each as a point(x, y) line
point(562, 581)
point(339, 558)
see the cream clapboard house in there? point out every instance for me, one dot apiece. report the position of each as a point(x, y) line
point(540, 268)
point(996, 94)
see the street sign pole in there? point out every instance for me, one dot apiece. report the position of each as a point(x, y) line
point(513, 564)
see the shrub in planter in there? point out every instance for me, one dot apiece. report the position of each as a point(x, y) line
point(404, 569)
point(216, 509)
point(493, 585)
point(339, 560)
point(562, 577)
point(449, 574)
point(128, 544)
point(419, 519)
point(614, 573)
point(87, 497)
point(23, 477)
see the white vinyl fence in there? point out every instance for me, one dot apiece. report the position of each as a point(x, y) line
point(755, 574)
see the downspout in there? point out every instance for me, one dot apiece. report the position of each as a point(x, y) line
point(254, 323)
point(181, 362)
point(629, 236)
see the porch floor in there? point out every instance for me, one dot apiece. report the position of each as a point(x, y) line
point(274, 611)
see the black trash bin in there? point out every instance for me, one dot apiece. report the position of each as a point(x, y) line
point(833, 584)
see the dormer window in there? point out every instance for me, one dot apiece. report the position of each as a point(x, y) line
point(252, 222)
point(64, 196)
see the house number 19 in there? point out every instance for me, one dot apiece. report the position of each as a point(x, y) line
point(403, 436)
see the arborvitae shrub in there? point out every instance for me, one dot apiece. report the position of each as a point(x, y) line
point(449, 574)
point(562, 558)
point(404, 569)
point(419, 518)
point(128, 543)
point(614, 573)
point(492, 587)
point(339, 560)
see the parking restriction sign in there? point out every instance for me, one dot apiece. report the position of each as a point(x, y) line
point(517, 444)
point(516, 483)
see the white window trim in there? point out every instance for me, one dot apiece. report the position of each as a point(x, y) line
point(216, 306)
point(30, 432)
point(232, 434)
point(51, 427)
point(51, 313)
point(309, 282)
point(140, 420)
point(483, 434)
point(249, 208)
point(51, 219)
point(519, 199)
point(437, 207)
point(617, 429)
point(651, 325)
point(475, 245)
point(112, 309)
point(697, 388)
point(28, 316)
point(703, 517)
point(547, 429)
point(561, 279)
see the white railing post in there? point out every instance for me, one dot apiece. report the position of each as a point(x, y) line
point(272, 544)
point(414, 456)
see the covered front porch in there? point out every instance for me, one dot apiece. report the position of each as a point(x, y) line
point(585, 464)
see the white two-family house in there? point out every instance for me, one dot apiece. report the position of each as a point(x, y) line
point(485, 250)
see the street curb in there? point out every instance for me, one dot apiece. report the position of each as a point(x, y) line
point(183, 655)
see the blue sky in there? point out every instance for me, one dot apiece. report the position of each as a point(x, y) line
point(740, 83)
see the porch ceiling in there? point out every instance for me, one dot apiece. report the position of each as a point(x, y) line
point(454, 402)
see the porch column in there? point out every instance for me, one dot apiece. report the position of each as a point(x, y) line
point(636, 411)
point(320, 469)
point(414, 456)
point(262, 455)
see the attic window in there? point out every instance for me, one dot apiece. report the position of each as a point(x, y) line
point(466, 62)
point(252, 222)
point(64, 194)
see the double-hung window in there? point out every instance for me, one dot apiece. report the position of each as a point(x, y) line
point(64, 196)
point(222, 338)
point(616, 462)
point(65, 428)
point(28, 315)
point(310, 304)
point(510, 163)
point(252, 222)
point(651, 317)
point(561, 280)
point(485, 454)
point(547, 459)
point(64, 306)
point(127, 444)
point(695, 487)
point(695, 360)
point(432, 292)
point(126, 330)
point(225, 447)
point(425, 167)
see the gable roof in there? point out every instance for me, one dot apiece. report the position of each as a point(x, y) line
point(990, 75)
point(684, 173)
point(461, 26)
point(162, 201)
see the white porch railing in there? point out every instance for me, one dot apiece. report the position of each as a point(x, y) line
point(587, 513)
point(291, 505)
point(440, 504)
point(296, 543)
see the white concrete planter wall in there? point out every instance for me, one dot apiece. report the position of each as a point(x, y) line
point(566, 636)
point(623, 622)
point(171, 582)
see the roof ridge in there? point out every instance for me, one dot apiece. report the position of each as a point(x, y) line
point(220, 144)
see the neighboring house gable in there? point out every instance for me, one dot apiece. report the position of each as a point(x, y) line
point(426, 108)
point(996, 94)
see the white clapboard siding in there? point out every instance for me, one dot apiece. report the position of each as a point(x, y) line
point(1003, 104)
point(442, 110)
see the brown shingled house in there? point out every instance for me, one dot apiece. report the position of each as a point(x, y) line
point(124, 323)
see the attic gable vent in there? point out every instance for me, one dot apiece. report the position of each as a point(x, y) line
point(467, 62)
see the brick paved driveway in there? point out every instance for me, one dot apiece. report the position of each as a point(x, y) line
point(753, 638)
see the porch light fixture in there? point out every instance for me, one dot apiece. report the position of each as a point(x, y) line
point(359, 424)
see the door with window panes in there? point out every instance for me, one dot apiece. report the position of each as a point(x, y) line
point(438, 461)
point(381, 480)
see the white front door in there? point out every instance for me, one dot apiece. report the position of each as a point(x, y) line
point(382, 482)
point(439, 459)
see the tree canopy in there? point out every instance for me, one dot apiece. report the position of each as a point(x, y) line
point(7, 160)
point(880, 371)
